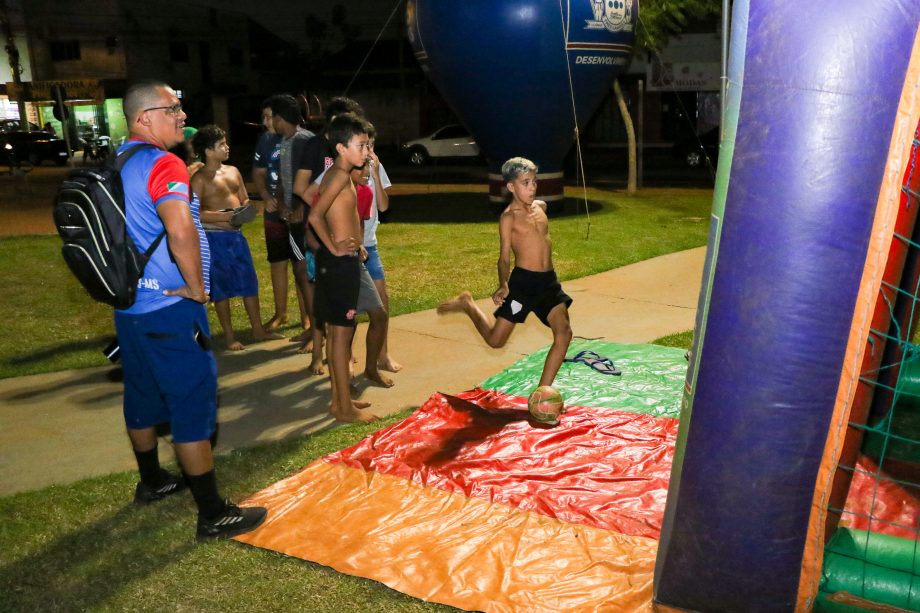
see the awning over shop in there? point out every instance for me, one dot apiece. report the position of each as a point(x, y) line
point(87, 91)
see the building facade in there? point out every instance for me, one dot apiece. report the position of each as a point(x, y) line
point(91, 49)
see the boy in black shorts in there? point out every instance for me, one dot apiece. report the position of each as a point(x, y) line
point(532, 286)
point(334, 218)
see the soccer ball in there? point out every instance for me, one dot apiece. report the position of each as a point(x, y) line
point(545, 405)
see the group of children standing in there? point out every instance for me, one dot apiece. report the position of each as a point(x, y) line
point(322, 197)
point(312, 187)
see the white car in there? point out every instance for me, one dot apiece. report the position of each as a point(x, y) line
point(453, 141)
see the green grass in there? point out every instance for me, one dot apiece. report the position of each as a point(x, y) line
point(681, 340)
point(433, 245)
point(84, 546)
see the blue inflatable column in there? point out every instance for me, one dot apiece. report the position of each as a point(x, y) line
point(813, 97)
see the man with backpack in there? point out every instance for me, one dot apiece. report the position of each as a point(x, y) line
point(170, 373)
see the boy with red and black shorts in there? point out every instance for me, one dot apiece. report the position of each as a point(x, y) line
point(266, 174)
point(292, 208)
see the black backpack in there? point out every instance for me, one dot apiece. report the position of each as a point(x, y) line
point(89, 212)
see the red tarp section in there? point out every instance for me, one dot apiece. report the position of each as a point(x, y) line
point(894, 508)
point(599, 467)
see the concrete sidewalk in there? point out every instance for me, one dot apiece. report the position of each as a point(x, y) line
point(61, 427)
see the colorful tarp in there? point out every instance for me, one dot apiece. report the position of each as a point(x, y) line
point(468, 503)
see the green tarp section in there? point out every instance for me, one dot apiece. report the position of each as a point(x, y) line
point(652, 379)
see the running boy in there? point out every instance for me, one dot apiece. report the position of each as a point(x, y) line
point(334, 218)
point(532, 286)
point(222, 192)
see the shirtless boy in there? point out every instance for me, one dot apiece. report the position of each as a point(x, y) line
point(334, 218)
point(221, 190)
point(532, 286)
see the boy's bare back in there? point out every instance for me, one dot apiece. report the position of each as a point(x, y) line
point(221, 190)
point(528, 230)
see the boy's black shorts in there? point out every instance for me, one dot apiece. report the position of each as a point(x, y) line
point(528, 291)
point(338, 281)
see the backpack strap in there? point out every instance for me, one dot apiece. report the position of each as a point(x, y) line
point(118, 163)
point(153, 246)
point(122, 158)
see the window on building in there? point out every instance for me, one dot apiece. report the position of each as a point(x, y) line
point(178, 52)
point(235, 56)
point(63, 50)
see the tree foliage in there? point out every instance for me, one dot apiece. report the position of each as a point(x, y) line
point(659, 19)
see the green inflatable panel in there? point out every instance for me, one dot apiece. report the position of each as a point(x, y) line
point(876, 567)
point(652, 380)
point(904, 420)
point(909, 383)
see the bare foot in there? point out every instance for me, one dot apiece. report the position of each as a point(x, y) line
point(389, 364)
point(305, 347)
point(459, 303)
point(360, 404)
point(316, 367)
point(265, 335)
point(378, 378)
point(306, 335)
point(275, 322)
point(352, 414)
point(234, 345)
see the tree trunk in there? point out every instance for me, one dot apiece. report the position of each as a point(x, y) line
point(630, 137)
point(12, 54)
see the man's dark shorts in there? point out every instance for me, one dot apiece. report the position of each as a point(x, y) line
point(338, 282)
point(528, 291)
point(170, 372)
point(284, 241)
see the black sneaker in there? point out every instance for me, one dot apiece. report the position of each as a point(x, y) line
point(232, 522)
point(172, 484)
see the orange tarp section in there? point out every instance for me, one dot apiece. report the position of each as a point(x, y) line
point(468, 504)
point(451, 549)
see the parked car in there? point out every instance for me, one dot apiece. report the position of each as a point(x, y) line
point(694, 150)
point(451, 141)
point(11, 125)
point(33, 147)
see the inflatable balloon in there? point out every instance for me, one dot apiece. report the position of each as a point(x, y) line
point(512, 71)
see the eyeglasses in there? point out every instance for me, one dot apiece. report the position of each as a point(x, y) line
point(170, 110)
